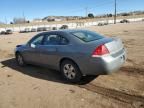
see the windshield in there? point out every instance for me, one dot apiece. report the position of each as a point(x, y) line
point(87, 36)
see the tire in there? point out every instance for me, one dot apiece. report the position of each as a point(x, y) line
point(70, 71)
point(20, 60)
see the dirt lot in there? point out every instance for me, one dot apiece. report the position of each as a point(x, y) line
point(36, 87)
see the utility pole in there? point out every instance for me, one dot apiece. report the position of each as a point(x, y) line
point(5, 23)
point(86, 10)
point(115, 15)
point(24, 17)
point(5, 20)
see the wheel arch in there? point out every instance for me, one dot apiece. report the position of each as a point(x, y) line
point(17, 52)
point(67, 58)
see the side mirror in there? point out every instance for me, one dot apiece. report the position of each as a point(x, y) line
point(32, 45)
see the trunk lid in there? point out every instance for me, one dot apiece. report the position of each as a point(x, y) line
point(115, 45)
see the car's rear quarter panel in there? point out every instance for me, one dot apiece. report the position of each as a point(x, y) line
point(82, 55)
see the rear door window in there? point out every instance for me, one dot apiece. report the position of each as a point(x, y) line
point(64, 41)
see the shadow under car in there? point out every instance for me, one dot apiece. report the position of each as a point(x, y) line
point(43, 73)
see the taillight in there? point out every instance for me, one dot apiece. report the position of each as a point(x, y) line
point(100, 50)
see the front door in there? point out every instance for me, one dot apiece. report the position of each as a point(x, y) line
point(32, 52)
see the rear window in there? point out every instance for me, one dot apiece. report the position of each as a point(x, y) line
point(87, 36)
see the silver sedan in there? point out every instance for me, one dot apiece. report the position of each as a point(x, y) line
point(75, 53)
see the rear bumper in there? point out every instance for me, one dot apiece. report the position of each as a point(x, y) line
point(104, 65)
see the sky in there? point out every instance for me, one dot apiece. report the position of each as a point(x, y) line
point(40, 8)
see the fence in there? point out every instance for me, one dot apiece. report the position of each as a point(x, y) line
point(71, 25)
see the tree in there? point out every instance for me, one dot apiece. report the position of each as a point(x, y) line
point(109, 15)
point(28, 21)
point(11, 22)
point(90, 15)
point(125, 14)
point(19, 20)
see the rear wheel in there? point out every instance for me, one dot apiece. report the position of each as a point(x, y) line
point(70, 71)
point(20, 60)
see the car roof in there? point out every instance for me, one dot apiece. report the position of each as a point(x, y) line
point(71, 30)
point(65, 31)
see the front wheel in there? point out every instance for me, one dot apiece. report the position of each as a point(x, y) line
point(70, 71)
point(20, 60)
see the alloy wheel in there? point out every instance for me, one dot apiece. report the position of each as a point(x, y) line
point(69, 71)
